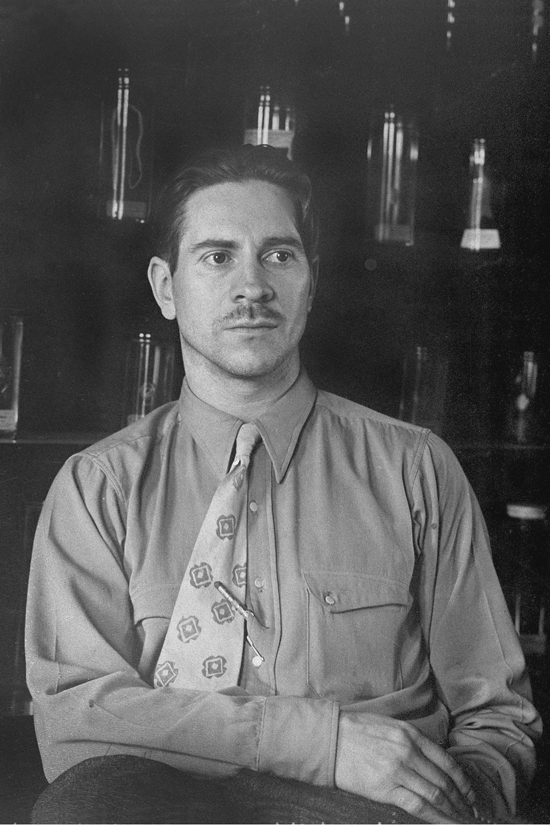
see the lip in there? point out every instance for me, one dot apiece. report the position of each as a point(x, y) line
point(252, 325)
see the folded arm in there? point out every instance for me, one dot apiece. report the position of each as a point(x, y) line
point(473, 649)
point(90, 694)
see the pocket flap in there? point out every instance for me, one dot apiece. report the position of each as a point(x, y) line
point(339, 592)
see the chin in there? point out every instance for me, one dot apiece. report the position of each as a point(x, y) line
point(251, 371)
point(252, 367)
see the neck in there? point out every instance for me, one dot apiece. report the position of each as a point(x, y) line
point(244, 398)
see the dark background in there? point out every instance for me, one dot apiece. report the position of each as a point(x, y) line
point(79, 279)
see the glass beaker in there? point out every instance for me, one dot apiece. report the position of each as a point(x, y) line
point(125, 153)
point(424, 388)
point(149, 376)
point(11, 350)
point(392, 156)
point(481, 231)
point(270, 120)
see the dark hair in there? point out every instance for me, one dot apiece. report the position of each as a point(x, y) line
point(233, 165)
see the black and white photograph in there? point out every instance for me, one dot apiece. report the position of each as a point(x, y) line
point(274, 411)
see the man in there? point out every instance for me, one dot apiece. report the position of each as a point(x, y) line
point(379, 658)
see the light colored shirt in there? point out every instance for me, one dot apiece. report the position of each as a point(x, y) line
point(369, 571)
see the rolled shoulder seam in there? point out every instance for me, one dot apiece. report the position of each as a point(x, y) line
point(111, 478)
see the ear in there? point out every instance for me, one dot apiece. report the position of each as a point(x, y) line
point(160, 279)
point(314, 270)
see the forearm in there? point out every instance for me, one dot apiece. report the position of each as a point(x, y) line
point(205, 733)
point(493, 723)
point(89, 661)
point(474, 652)
point(501, 773)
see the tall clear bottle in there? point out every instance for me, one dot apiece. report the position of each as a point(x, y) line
point(481, 231)
point(524, 418)
point(392, 156)
point(125, 152)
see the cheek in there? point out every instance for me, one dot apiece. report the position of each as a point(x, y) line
point(197, 312)
point(297, 302)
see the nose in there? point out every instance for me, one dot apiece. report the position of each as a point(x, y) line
point(252, 283)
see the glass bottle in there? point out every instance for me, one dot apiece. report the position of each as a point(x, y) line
point(270, 120)
point(11, 343)
point(523, 424)
point(149, 376)
point(423, 388)
point(125, 153)
point(538, 24)
point(481, 231)
point(392, 155)
point(521, 555)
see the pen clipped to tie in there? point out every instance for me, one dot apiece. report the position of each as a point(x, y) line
point(247, 614)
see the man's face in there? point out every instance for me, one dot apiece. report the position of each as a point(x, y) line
point(243, 285)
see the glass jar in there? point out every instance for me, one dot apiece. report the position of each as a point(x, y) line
point(125, 152)
point(521, 556)
point(149, 377)
point(392, 156)
point(11, 348)
point(270, 121)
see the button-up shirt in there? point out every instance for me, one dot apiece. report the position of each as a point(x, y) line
point(369, 573)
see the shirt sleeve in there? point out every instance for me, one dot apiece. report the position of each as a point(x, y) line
point(83, 652)
point(474, 651)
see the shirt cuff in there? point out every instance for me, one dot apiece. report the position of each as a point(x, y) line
point(491, 799)
point(298, 739)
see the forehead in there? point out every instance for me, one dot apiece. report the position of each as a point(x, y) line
point(256, 208)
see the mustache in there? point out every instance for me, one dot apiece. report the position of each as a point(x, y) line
point(252, 312)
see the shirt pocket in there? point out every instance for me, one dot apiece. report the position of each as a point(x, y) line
point(355, 630)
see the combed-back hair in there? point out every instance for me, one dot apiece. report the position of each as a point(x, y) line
point(233, 165)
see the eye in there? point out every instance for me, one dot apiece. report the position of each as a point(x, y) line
point(279, 256)
point(218, 258)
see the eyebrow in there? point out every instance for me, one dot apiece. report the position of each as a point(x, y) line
point(285, 240)
point(222, 243)
point(208, 243)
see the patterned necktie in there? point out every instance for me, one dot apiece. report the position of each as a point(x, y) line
point(204, 642)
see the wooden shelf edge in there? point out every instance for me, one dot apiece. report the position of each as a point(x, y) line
point(54, 438)
point(496, 446)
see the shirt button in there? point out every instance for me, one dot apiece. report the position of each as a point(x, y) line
point(329, 599)
point(253, 506)
point(260, 583)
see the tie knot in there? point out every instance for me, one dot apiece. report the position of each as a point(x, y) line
point(247, 437)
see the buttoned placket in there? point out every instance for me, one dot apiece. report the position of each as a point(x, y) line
point(261, 583)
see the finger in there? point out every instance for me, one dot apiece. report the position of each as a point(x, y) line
point(441, 759)
point(422, 809)
point(441, 794)
point(433, 783)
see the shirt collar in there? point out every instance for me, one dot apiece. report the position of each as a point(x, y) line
point(280, 427)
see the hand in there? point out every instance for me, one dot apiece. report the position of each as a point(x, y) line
point(389, 761)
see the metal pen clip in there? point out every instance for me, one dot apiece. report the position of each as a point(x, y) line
point(247, 614)
point(240, 608)
point(258, 659)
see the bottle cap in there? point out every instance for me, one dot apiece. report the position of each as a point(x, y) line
point(526, 511)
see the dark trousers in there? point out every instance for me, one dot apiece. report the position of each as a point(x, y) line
point(129, 789)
